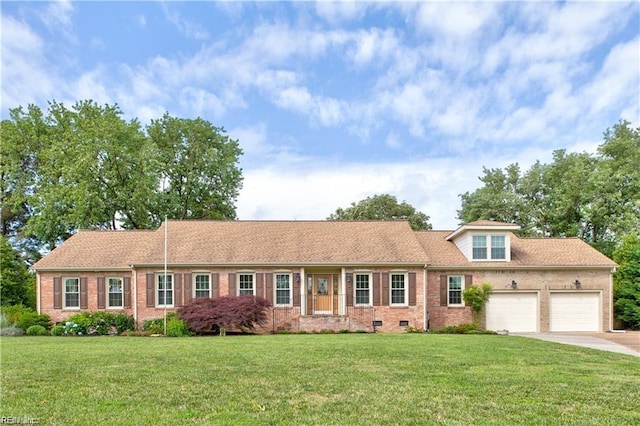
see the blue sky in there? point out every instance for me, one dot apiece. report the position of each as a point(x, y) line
point(334, 102)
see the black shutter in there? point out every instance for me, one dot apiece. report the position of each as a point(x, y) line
point(101, 293)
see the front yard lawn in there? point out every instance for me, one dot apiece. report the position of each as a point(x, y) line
point(315, 379)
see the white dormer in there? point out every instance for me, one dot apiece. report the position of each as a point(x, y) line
point(484, 240)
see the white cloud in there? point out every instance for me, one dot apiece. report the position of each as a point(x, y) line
point(58, 17)
point(187, 28)
point(338, 12)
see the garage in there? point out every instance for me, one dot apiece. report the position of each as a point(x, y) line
point(516, 312)
point(574, 311)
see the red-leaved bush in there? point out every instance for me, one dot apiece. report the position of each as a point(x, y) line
point(205, 315)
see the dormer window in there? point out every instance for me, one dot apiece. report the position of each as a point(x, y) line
point(481, 250)
point(484, 240)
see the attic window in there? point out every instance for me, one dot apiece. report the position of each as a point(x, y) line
point(480, 247)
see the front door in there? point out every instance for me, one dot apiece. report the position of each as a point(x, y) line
point(322, 291)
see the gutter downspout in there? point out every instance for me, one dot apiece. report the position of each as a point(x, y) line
point(135, 295)
point(425, 314)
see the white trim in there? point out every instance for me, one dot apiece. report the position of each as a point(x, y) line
point(275, 289)
point(194, 275)
point(369, 275)
point(107, 305)
point(405, 274)
point(253, 281)
point(157, 290)
point(64, 293)
point(462, 287)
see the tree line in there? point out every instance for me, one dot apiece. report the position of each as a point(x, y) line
point(87, 167)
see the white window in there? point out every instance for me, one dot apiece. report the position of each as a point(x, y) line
point(363, 289)
point(283, 289)
point(479, 247)
point(398, 288)
point(71, 293)
point(498, 247)
point(164, 286)
point(245, 285)
point(114, 298)
point(454, 290)
point(482, 251)
point(202, 286)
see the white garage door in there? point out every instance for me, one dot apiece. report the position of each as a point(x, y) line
point(516, 312)
point(575, 311)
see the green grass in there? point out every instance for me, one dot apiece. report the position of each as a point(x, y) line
point(316, 379)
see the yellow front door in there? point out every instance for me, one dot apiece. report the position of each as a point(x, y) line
point(322, 290)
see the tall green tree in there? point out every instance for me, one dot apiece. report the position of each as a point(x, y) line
point(383, 207)
point(17, 285)
point(626, 281)
point(199, 173)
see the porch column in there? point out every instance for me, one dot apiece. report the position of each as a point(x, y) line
point(303, 292)
point(342, 293)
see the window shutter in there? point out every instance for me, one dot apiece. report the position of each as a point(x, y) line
point(385, 289)
point(232, 284)
point(215, 285)
point(376, 289)
point(260, 285)
point(101, 291)
point(468, 280)
point(444, 289)
point(188, 291)
point(83, 293)
point(296, 291)
point(268, 286)
point(349, 290)
point(57, 293)
point(151, 294)
point(126, 284)
point(177, 290)
point(412, 289)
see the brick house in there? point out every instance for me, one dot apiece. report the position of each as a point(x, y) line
point(334, 275)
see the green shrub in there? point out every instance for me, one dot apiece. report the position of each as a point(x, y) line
point(98, 323)
point(458, 329)
point(413, 330)
point(57, 330)
point(301, 332)
point(156, 325)
point(8, 328)
point(36, 330)
point(177, 328)
point(344, 330)
point(24, 317)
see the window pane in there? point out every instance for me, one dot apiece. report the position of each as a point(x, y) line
point(203, 288)
point(115, 292)
point(246, 285)
point(362, 289)
point(455, 290)
point(72, 293)
point(397, 289)
point(479, 246)
point(498, 247)
point(165, 290)
point(283, 287)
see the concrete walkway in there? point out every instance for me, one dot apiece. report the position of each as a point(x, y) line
point(584, 340)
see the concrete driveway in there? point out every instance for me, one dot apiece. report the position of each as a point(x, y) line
point(627, 343)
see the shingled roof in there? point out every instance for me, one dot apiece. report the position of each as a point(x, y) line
point(243, 243)
point(525, 252)
point(302, 243)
